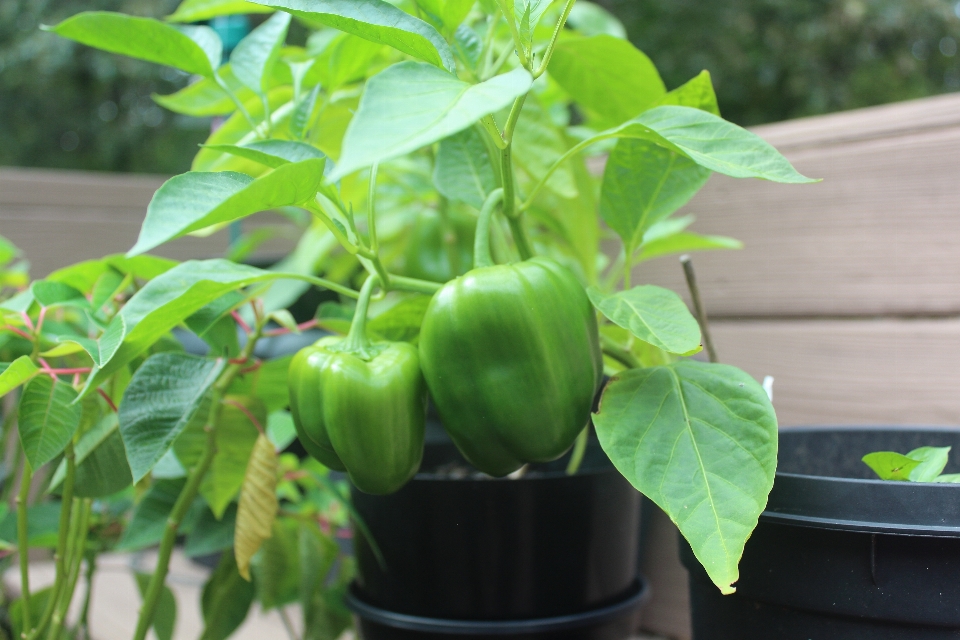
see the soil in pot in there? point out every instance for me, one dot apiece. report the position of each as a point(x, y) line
point(468, 556)
point(839, 554)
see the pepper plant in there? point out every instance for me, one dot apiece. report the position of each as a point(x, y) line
point(490, 172)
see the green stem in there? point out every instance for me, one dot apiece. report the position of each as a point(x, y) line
point(627, 266)
point(481, 242)
point(414, 285)
point(509, 182)
point(520, 238)
point(372, 210)
point(575, 149)
point(579, 448)
point(23, 543)
point(152, 596)
point(357, 340)
point(617, 352)
point(60, 559)
point(512, 23)
point(266, 114)
point(84, 622)
point(490, 126)
point(233, 97)
point(553, 40)
point(78, 536)
point(338, 230)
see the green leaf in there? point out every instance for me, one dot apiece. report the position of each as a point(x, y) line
point(948, 477)
point(205, 97)
point(165, 302)
point(210, 535)
point(165, 616)
point(700, 440)
point(101, 460)
point(346, 59)
point(303, 113)
point(150, 516)
point(268, 383)
point(527, 14)
point(197, 10)
point(711, 142)
point(257, 508)
point(590, 19)
point(538, 143)
point(450, 12)
point(463, 169)
point(272, 153)
point(280, 429)
point(235, 437)
point(195, 200)
point(38, 602)
point(324, 615)
point(163, 396)
point(256, 54)
point(401, 323)
point(47, 419)
point(607, 76)
point(376, 21)
point(890, 465)
point(684, 242)
point(932, 462)
point(225, 600)
point(188, 48)
point(84, 276)
point(412, 104)
point(653, 314)
point(57, 294)
point(697, 93)
point(15, 373)
point(644, 183)
point(277, 566)
point(43, 525)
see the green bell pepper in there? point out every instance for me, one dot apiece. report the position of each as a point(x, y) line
point(361, 406)
point(511, 355)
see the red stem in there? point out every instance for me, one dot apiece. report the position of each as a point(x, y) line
point(20, 332)
point(303, 326)
point(239, 320)
point(103, 394)
point(246, 412)
point(40, 318)
point(27, 320)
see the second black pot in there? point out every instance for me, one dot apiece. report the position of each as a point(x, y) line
point(477, 549)
point(840, 555)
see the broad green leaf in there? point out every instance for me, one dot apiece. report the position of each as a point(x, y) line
point(346, 59)
point(197, 10)
point(256, 54)
point(258, 505)
point(699, 440)
point(527, 14)
point(15, 373)
point(889, 465)
point(469, 46)
point(46, 419)
point(205, 97)
point(711, 142)
point(948, 477)
point(538, 143)
point(210, 535)
point(272, 153)
point(268, 383)
point(43, 525)
point(303, 114)
point(165, 616)
point(450, 12)
point(412, 104)
point(643, 183)
point(225, 600)
point(653, 314)
point(165, 302)
point(150, 516)
point(463, 169)
point(607, 76)
point(280, 429)
point(697, 93)
point(590, 19)
point(84, 276)
point(277, 566)
point(101, 460)
point(188, 48)
point(932, 462)
point(196, 200)
point(163, 396)
point(377, 21)
point(236, 436)
point(683, 242)
point(57, 294)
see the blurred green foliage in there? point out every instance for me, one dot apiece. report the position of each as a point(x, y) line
point(64, 105)
point(778, 59)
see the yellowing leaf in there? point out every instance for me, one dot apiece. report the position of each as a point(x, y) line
point(258, 504)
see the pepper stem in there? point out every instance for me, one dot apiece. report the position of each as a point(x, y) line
point(357, 341)
point(481, 244)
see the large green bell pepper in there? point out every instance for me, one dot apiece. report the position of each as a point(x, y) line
point(361, 406)
point(512, 358)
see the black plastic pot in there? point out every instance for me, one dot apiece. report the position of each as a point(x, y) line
point(544, 556)
point(839, 554)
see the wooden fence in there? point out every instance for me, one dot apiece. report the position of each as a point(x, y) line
point(847, 291)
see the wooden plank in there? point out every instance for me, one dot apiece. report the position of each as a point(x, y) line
point(668, 610)
point(877, 236)
point(42, 187)
point(891, 372)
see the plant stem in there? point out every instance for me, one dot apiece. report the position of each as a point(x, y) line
point(60, 559)
point(512, 23)
point(233, 97)
point(78, 537)
point(23, 542)
point(287, 624)
point(372, 210)
point(414, 285)
point(627, 265)
point(698, 306)
point(152, 596)
point(84, 622)
point(553, 40)
point(356, 340)
point(481, 242)
point(617, 352)
point(575, 149)
point(579, 448)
